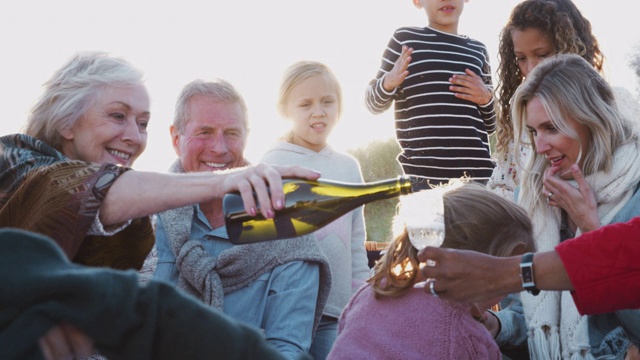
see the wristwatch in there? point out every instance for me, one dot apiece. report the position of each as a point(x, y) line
point(526, 274)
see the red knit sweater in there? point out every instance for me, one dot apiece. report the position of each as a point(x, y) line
point(604, 267)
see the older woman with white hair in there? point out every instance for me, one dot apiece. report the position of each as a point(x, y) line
point(69, 175)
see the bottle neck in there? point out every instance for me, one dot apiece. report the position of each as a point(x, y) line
point(406, 184)
point(417, 183)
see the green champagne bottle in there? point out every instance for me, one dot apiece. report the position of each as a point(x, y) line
point(309, 205)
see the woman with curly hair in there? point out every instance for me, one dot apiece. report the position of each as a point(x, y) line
point(538, 29)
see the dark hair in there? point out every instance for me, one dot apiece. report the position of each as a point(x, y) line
point(562, 23)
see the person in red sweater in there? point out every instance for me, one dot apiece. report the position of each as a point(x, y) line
point(600, 268)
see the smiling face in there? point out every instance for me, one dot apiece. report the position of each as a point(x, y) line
point(443, 15)
point(530, 46)
point(113, 130)
point(214, 136)
point(559, 149)
point(313, 108)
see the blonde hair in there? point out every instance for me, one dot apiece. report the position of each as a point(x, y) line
point(475, 219)
point(563, 24)
point(569, 88)
point(301, 71)
point(72, 90)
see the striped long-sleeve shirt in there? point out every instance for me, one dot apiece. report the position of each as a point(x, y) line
point(441, 136)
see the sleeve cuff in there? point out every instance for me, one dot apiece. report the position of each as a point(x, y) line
point(97, 228)
point(383, 91)
point(489, 104)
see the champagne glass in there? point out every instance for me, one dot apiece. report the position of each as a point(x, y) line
point(429, 234)
point(423, 216)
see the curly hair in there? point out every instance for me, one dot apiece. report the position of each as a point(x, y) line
point(564, 25)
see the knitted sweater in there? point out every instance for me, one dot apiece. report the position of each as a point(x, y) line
point(598, 268)
point(43, 191)
point(413, 326)
point(342, 241)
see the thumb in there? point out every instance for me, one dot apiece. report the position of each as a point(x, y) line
point(429, 253)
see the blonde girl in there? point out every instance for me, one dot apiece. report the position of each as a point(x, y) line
point(390, 318)
point(311, 100)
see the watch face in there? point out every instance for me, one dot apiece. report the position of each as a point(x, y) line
point(526, 272)
point(527, 276)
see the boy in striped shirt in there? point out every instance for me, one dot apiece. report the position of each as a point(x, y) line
point(440, 84)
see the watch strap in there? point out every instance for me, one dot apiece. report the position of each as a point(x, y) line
point(526, 274)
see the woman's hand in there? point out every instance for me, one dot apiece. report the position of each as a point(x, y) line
point(65, 342)
point(266, 182)
point(470, 87)
point(396, 76)
point(579, 203)
point(486, 318)
point(469, 276)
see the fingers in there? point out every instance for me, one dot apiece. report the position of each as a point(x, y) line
point(578, 176)
point(264, 183)
point(430, 253)
point(550, 193)
point(81, 344)
point(405, 55)
point(268, 180)
point(552, 189)
point(54, 345)
point(470, 87)
point(399, 72)
point(297, 172)
point(277, 194)
point(429, 258)
point(558, 191)
point(65, 342)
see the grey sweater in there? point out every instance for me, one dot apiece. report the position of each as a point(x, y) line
point(342, 241)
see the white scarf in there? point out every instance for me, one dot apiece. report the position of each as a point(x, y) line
point(556, 329)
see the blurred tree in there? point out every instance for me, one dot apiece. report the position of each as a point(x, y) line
point(378, 162)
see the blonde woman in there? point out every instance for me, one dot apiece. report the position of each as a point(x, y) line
point(584, 172)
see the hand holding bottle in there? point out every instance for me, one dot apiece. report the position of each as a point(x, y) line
point(262, 184)
point(308, 206)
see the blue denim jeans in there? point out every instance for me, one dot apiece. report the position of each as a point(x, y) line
point(324, 338)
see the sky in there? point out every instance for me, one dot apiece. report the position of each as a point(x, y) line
point(250, 44)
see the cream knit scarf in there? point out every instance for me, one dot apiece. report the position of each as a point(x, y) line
point(556, 329)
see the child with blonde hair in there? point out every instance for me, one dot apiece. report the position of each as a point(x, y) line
point(392, 317)
point(311, 98)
